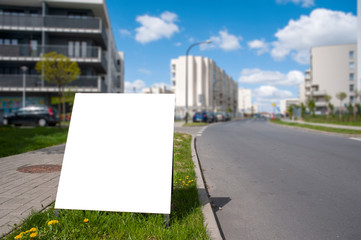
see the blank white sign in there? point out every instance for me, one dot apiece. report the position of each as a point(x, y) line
point(118, 155)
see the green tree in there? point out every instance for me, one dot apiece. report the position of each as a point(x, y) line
point(327, 99)
point(290, 111)
point(350, 109)
point(358, 107)
point(311, 106)
point(341, 96)
point(331, 107)
point(356, 98)
point(58, 69)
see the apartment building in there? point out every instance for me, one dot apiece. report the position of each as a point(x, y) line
point(78, 29)
point(333, 69)
point(210, 88)
point(245, 100)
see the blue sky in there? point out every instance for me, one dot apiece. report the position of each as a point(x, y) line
point(262, 44)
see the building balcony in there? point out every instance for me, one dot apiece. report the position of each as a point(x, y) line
point(319, 93)
point(94, 56)
point(14, 83)
point(321, 104)
point(92, 27)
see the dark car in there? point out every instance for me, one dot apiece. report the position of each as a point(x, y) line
point(201, 117)
point(227, 116)
point(33, 115)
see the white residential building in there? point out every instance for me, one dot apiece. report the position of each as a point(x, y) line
point(333, 70)
point(244, 100)
point(156, 90)
point(209, 87)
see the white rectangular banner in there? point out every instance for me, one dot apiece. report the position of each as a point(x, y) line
point(119, 154)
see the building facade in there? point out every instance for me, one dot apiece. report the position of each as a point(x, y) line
point(210, 88)
point(78, 29)
point(333, 69)
point(245, 101)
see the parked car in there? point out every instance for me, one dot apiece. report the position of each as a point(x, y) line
point(33, 115)
point(212, 116)
point(220, 116)
point(201, 117)
point(227, 116)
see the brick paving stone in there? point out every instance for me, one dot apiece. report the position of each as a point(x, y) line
point(23, 193)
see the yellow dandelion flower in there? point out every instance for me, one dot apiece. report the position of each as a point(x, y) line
point(18, 236)
point(86, 220)
point(33, 230)
point(34, 234)
point(187, 176)
point(53, 222)
point(186, 184)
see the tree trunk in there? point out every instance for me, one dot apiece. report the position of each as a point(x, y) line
point(339, 112)
point(63, 101)
point(59, 109)
point(354, 111)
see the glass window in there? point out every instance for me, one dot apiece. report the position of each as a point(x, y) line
point(14, 42)
point(173, 74)
point(1, 41)
point(351, 54)
point(351, 88)
point(351, 98)
point(352, 65)
point(7, 41)
point(173, 66)
point(351, 77)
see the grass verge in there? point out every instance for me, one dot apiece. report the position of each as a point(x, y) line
point(319, 128)
point(15, 140)
point(186, 219)
point(334, 120)
point(195, 124)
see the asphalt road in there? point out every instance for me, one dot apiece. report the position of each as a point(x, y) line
point(271, 182)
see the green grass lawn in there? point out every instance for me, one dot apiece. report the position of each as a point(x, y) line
point(346, 120)
point(15, 140)
point(319, 128)
point(186, 220)
point(195, 124)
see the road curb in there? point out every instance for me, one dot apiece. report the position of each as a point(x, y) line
point(208, 214)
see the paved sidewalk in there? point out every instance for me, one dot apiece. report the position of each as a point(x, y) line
point(323, 124)
point(20, 193)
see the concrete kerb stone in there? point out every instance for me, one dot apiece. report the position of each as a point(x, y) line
point(208, 214)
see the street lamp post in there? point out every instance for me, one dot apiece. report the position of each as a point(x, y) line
point(194, 44)
point(24, 69)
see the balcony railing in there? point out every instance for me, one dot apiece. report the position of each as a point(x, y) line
point(319, 93)
point(54, 22)
point(86, 54)
point(34, 81)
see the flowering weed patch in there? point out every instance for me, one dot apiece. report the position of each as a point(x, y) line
point(186, 220)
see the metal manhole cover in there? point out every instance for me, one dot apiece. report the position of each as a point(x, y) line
point(45, 168)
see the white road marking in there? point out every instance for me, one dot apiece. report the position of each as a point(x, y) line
point(199, 133)
point(357, 139)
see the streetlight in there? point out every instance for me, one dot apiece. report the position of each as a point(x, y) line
point(24, 69)
point(194, 44)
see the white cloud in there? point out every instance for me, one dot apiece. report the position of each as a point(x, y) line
point(252, 76)
point(305, 3)
point(261, 45)
point(124, 32)
point(265, 95)
point(178, 44)
point(137, 85)
point(155, 28)
point(145, 71)
point(224, 40)
point(321, 27)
